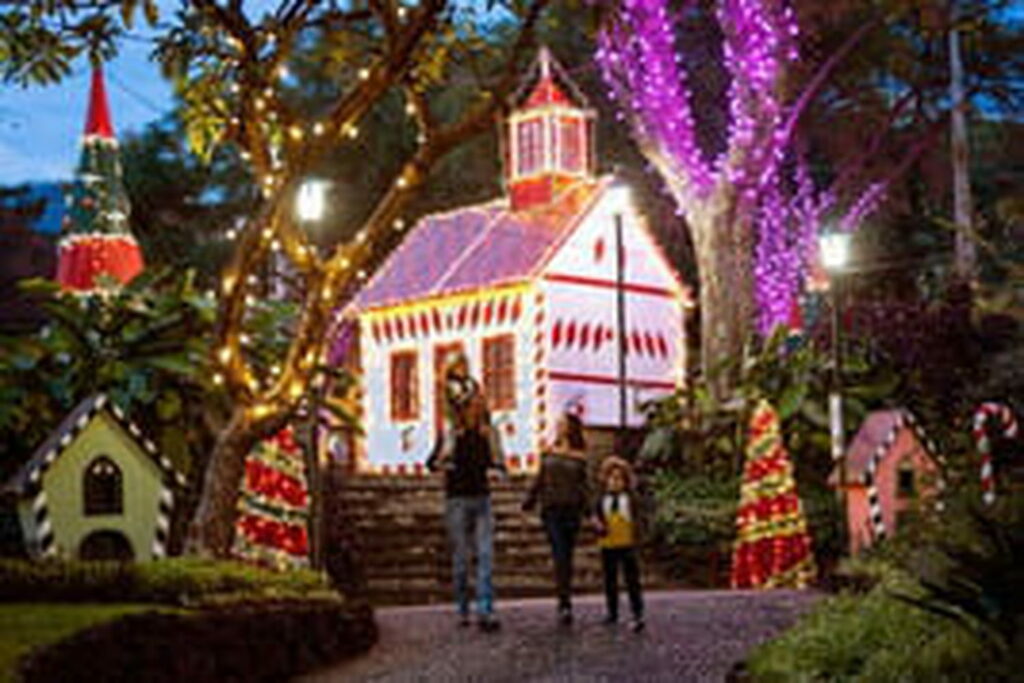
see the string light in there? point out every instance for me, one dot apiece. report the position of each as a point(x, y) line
point(318, 128)
point(218, 379)
point(644, 71)
point(295, 132)
point(282, 72)
point(398, 225)
point(231, 233)
point(364, 74)
point(352, 131)
point(224, 355)
point(275, 245)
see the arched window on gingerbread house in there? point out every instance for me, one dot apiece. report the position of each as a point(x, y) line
point(103, 488)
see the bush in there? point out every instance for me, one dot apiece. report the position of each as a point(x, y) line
point(270, 642)
point(872, 637)
point(695, 524)
point(174, 581)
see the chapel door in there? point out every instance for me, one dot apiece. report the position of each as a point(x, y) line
point(441, 354)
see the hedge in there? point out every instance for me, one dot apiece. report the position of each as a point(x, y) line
point(266, 642)
point(183, 581)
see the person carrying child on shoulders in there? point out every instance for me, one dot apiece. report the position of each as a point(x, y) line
point(617, 517)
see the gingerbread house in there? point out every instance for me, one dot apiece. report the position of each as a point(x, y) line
point(540, 288)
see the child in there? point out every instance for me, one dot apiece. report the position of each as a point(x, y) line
point(617, 521)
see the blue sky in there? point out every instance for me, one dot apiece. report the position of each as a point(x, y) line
point(40, 128)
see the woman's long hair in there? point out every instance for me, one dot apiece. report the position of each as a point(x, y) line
point(574, 438)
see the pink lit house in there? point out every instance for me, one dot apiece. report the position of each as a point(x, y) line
point(527, 286)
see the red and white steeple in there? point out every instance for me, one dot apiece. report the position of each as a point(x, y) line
point(97, 121)
point(96, 241)
point(549, 137)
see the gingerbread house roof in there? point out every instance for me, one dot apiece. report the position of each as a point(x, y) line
point(878, 434)
point(28, 477)
point(478, 246)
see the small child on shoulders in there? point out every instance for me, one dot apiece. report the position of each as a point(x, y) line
point(617, 515)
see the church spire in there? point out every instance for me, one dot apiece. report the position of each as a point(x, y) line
point(98, 122)
point(96, 239)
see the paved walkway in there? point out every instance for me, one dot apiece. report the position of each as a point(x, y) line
point(690, 636)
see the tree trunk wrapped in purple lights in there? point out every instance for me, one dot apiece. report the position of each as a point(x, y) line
point(750, 204)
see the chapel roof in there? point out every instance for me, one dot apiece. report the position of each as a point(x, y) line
point(478, 246)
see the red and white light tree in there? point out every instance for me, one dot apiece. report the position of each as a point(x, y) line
point(750, 203)
point(773, 546)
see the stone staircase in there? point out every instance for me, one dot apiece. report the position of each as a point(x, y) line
point(397, 524)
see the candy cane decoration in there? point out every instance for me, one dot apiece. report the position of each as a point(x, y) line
point(1007, 423)
point(906, 419)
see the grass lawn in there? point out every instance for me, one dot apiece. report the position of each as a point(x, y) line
point(24, 626)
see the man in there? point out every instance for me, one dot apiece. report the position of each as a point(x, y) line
point(465, 453)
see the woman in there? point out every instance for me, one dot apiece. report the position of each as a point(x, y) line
point(563, 489)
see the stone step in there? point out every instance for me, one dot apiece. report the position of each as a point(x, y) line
point(399, 524)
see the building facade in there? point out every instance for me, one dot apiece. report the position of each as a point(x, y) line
point(534, 288)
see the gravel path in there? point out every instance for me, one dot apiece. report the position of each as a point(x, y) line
point(690, 636)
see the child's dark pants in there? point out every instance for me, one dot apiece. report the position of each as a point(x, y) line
point(611, 558)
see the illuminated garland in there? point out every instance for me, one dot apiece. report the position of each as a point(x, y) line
point(773, 547)
point(273, 509)
point(749, 178)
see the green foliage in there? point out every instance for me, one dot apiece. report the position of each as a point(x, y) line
point(941, 603)
point(182, 581)
point(182, 207)
point(697, 433)
point(144, 344)
point(973, 573)
point(696, 517)
point(24, 627)
point(39, 39)
point(871, 637)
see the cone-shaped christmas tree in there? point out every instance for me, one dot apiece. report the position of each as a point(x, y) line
point(96, 239)
point(273, 507)
point(773, 547)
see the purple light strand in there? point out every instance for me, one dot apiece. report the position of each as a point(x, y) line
point(639, 63)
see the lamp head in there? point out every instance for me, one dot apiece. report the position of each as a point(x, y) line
point(311, 201)
point(835, 249)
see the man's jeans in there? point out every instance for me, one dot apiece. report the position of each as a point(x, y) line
point(562, 525)
point(469, 517)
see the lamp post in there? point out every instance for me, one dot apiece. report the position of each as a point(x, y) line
point(835, 255)
point(310, 206)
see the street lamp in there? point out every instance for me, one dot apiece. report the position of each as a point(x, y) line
point(835, 255)
point(311, 201)
point(310, 207)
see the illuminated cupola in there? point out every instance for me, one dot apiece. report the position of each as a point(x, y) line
point(549, 136)
point(96, 240)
